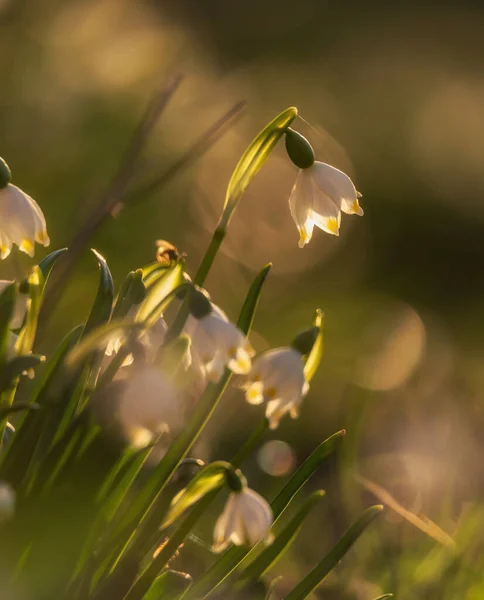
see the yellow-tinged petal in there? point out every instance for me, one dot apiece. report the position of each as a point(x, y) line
point(27, 246)
point(333, 225)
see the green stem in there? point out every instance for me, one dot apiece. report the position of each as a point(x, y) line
point(203, 270)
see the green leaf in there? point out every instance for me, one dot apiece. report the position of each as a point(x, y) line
point(32, 430)
point(103, 303)
point(282, 541)
point(228, 561)
point(17, 407)
point(132, 292)
point(99, 338)
point(47, 263)
point(253, 159)
point(158, 293)
point(7, 306)
point(305, 471)
point(15, 367)
point(317, 575)
point(314, 358)
point(383, 597)
point(247, 314)
point(170, 585)
point(201, 413)
point(210, 478)
point(26, 338)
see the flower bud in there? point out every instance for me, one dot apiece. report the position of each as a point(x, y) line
point(299, 149)
point(5, 174)
point(235, 480)
point(199, 303)
point(304, 341)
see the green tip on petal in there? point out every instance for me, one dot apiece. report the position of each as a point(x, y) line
point(299, 149)
point(199, 303)
point(305, 340)
point(5, 174)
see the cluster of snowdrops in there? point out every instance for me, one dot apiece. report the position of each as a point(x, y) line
point(130, 377)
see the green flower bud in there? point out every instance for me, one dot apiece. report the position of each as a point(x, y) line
point(5, 174)
point(235, 479)
point(137, 288)
point(299, 149)
point(199, 303)
point(304, 341)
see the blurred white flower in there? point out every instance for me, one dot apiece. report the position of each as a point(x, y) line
point(20, 306)
point(216, 343)
point(246, 520)
point(152, 339)
point(319, 195)
point(21, 222)
point(277, 377)
point(7, 501)
point(148, 405)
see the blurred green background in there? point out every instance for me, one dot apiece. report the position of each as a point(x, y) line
point(394, 93)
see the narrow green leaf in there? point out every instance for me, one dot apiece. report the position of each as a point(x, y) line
point(210, 478)
point(204, 408)
point(15, 367)
point(99, 338)
point(31, 431)
point(228, 561)
point(103, 303)
point(8, 298)
point(26, 338)
point(270, 555)
point(383, 597)
point(305, 471)
point(167, 281)
point(314, 358)
point(247, 314)
point(48, 262)
point(17, 407)
point(272, 587)
point(317, 575)
point(170, 585)
point(253, 159)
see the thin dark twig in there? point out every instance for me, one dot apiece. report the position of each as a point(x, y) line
point(114, 191)
point(206, 140)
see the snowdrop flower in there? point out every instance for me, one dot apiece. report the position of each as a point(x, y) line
point(148, 405)
point(216, 342)
point(21, 219)
point(246, 520)
point(277, 377)
point(20, 306)
point(7, 501)
point(321, 192)
point(152, 339)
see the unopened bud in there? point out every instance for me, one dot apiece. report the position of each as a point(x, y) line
point(299, 149)
point(199, 303)
point(304, 341)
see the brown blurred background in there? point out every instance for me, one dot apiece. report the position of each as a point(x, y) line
point(394, 93)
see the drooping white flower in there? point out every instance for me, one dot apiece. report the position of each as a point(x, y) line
point(216, 343)
point(277, 377)
point(320, 194)
point(20, 306)
point(246, 520)
point(148, 405)
point(7, 501)
point(152, 339)
point(22, 222)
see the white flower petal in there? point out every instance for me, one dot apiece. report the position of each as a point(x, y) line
point(245, 520)
point(300, 205)
point(21, 222)
point(338, 186)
